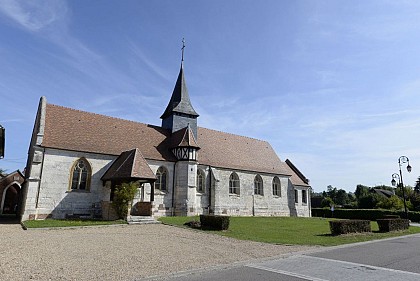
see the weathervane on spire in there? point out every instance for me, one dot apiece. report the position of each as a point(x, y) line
point(183, 47)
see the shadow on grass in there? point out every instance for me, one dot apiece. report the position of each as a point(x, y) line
point(325, 235)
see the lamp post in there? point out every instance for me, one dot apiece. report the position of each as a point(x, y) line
point(2, 141)
point(393, 181)
point(403, 160)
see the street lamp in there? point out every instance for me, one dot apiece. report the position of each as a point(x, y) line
point(393, 181)
point(402, 160)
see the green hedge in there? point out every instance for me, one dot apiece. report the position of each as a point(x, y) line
point(338, 227)
point(387, 225)
point(214, 222)
point(363, 214)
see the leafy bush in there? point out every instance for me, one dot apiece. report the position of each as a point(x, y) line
point(391, 203)
point(349, 226)
point(362, 214)
point(212, 222)
point(326, 202)
point(369, 201)
point(387, 225)
point(124, 194)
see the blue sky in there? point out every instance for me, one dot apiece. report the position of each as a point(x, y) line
point(332, 85)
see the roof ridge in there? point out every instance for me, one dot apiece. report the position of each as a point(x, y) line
point(234, 134)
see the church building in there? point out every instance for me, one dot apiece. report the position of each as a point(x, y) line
point(76, 159)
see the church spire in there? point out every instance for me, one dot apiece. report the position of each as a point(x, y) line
point(180, 112)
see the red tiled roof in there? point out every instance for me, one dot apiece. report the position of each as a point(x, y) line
point(231, 151)
point(129, 165)
point(184, 138)
point(71, 129)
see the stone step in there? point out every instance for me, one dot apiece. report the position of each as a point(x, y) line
point(141, 220)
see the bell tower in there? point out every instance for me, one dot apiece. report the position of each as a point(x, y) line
point(180, 113)
point(180, 119)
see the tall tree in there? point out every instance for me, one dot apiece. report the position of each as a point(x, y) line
point(361, 191)
point(417, 186)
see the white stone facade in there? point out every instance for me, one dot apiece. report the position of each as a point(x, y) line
point(49, 193)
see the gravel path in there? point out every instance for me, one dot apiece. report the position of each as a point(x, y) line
point(119, 252)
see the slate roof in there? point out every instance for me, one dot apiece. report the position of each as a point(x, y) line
point(297, 177)
point(71, 129)
point(180, 100)
point(129, 165)
point(383, 192)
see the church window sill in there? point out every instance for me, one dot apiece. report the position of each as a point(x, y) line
point(78, 191)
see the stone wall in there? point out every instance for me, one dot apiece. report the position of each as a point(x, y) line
point(249, 204)
point(55, 196)
point(51, 196)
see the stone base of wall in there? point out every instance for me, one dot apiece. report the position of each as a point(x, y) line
point(108, 212)
point(142, 209)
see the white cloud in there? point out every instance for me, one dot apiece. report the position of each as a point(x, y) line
point(34, 15)
point(149, 63)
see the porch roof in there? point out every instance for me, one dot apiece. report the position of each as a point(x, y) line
point(129, 165)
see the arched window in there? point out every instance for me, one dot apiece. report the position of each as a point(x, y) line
point(80, 175)
point(234, 185)
point(162, 179)
point(258, 185)
point(201, 181)
point(276, 187)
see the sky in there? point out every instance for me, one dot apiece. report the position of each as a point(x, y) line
point(331, 85)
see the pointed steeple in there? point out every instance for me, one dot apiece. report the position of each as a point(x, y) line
point(180, 112)
point(180, 100)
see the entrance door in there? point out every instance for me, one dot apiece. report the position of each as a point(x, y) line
point(11, 199)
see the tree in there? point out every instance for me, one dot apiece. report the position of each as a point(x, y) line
point(415, 201)
point(417, 186)
point(391, 203)
point(342, 197)
point(384, 187)
point(408, 190)
point(327, 202)
point(331, 192)
point(361, 191)
point(369, 201)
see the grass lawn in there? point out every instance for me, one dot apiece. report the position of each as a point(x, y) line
point(293, 231)
point(67, 223)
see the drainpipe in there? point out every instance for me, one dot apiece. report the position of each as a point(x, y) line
point(253, 205)
point(173, 191)
point(209, 195)
point(40, 179)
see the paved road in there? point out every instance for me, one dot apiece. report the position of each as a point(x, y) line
point(385, 260)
